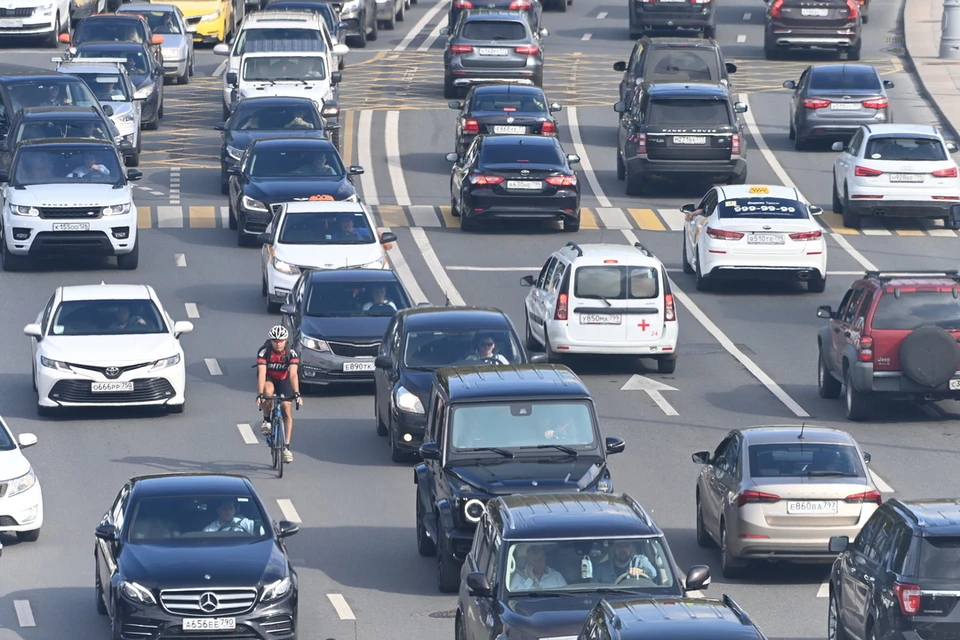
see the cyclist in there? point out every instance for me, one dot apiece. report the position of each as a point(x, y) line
point(277, 366)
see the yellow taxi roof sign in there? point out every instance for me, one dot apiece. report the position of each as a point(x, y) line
point(759, 189)
point(322, 198)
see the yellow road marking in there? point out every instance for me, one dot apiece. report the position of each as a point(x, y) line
point(646, 219)
point(392, 215)
point(346, 137)
point(910, 232)
point(448, 219)
point(202, 217)
point(587, 219)
point(143, 217)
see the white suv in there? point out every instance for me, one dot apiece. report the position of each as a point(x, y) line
point(295, 74)
point(608, 299)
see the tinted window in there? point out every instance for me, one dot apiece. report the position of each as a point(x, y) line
point(284, 68)
point(335, 299)
point(521, 425)
point(249, 117)
point(681, 65)
point(617, 283)
point(801, 459)
point(914, 309)
point(249, 37)
point(112, 30)
point(904, 149)
point(939, 558)
point(509, 101)
point(107, 88)
point(762, 208)
point(161, 22)
point(492, 154)
point(51, 93)
point(844, 78)
point(435, 349)
point(275, 163)
point(136, 59)
point(326, 228)
point(168, 519)
point(39, 166)
point(106, 317)
point(493, 30)
point(38, 129)
point(6, 443)
point(684, 112)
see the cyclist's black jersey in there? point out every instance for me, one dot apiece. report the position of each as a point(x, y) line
point(278, 364)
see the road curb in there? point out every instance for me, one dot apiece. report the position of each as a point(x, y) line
point(915, 20)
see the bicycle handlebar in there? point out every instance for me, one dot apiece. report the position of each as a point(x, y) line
point(264, 398)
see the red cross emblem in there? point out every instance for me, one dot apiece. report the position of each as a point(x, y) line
point(643, 325)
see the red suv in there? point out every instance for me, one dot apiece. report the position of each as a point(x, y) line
point(896, 334)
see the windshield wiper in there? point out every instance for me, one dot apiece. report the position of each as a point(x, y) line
point(497, 450)
point(409, 368)
point(543, 594)
point(632, 592)
point(596, 297)
point(830, 473)
point(558, 447)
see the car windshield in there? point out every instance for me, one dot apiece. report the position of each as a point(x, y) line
point(161, 22)
point(338, 299)
point(110, 30)
point(904, 149)
point(610, 282)
point(589, 565)
point(494, 154)
point(39, 129)
point(939, 558)
point(495, 30)
point(683, 112)
point(277, 163)
point(752, 208)
point(136, 64)
point(45, 166)
point(200, 518)
point(795, 459)
point(284, 67)
point(509, 101)
point(6, 442)
point(107, 88)
point(51, 93)
point(106, 318)
point(844, 78)
point(249, 117)
point(445, 348)
point(682, 65)
point(249, 39)
point(328, 227)
point(521, 424)
point(910, 310)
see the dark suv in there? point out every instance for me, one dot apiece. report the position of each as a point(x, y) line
point(673, 60)
point(894, 333)
point(648, 14)
point(680, 131)
point(899, 579)
point(670, 619)
point(829, 24)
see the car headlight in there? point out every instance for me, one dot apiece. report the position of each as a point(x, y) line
point(55, 364)
point(253, 205)
point(234, 152)
point(165, 362)
point(407, 401)
point(19, 210)
point(473, 510)
point(45, 8)
point(21, 484)
point(137, 592)
point(276, 590)
point(210, 17)
point(285, 267)
point(116, 209)
point(376, 264)
point(124, 118)
point(313, 343)
point(330, 112)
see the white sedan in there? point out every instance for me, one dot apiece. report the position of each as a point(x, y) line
point(21, 500)
point(107, 346)
point(757, 231)
point(896, 170)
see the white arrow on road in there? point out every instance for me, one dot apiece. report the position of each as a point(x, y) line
point(653, 389)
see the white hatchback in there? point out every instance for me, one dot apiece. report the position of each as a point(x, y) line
point(896, 170)
point(21, 500)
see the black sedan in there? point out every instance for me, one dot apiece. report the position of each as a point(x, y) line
point(261, 118)
point(179, 554)
point(515, 177)
point(279, 170)
point(418, 342)
point(503, 109)
point(143, 69)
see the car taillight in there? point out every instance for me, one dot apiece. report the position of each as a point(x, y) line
point(735, 149)
point(866, 172)
point(641, 140)
point(485, 180)
point(865, 348)
point(806, 235)
point(527, 49)
point(520, 4)
point(747, 497)
point(775, 9)
point(561, 312)
point(462, 4)
point(908, 595)
point(562, 181)
point(946, 173)
point(669, 308)
point(876, 103)
point(700, 1)
point(471, 126)
point(816, 103)
point(721, 234)
point(461, 48)
point(548, 129)
point(868, 496)
point(853, 9)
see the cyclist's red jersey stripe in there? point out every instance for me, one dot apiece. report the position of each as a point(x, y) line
point(278, 363)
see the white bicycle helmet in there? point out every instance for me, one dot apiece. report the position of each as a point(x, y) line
point(279, 332)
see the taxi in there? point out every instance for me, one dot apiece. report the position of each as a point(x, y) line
point(210, 21)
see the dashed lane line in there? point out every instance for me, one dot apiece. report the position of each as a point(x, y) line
point(881, 483)
point(433, 263)
point(24, 613)
point(220, 69)
point(741, 39)
point(824, 589)
point(746, 17)
point(340, 604)
point(246, 432)
point(180, 259)
point(601, 15)
point(364, 158)
point(191, 309)
point(175, 185)
point(288, 510)
point(392, 141)
point(169, 217)
point(417, 28)
point(403, 272)
point(434, 35)
point(574, 125)
point(587, 36)
point(213, 366)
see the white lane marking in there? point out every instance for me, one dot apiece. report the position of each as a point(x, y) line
point(462, 268)
point(288, 510)
point(220, 69)
point(587, 36)
point(191, 309)
point(942, 233)
point(367, 184)
point(876, 232)
point(433, 263)
point(613, 218)
point(24, 613)
point(601, 15)
point(417, 28)
point(169, 217)
point(424, 215)
point(785, 180)
point(392, 140)
point(224, 217)
point(727, 344)
point(741, 38)
point(746, 16)
point(403, 272)
point(824, 589)
point(213, 366)
point(433, 37)
point(246, 432)
point(180, 259)
point(584, 160)
point(673, 217)
point(340, 604)
point(881, 483)
point(652, 388)
point(829, 273)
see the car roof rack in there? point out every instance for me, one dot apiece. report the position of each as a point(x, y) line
point(643, 249)
point(733, 606)
point(890, 275)
point(575, 247)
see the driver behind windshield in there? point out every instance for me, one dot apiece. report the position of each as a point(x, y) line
point(90, 165)
point(228, 520)
point(378, 297)
point(537, 575)
point(623, 560)
point(485, 348)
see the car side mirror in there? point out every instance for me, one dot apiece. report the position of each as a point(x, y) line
point(33, 330)
point(620, 107)
point(221, 50)
point(430, 451)
point(191, 28)
point(740, 107)
point(824, 311)
point(867, 458)
point(789, 84)
point(452, 157)
point(527, 281)
point(387, 237)
point(838, 544)
point(336, 77)
point(620, 66)
point(478, 586)
point(125, 145)
point(731, 68)
point(107, 110)
point(26, 440)
point(383, 362)
point(573, 158)
point(285, 528)
point(233, 169)
point(815, 210)
point(615, 445)
point(543, 33)
point(701, 457)
point(555, 107)
point(888, 84)
point(355, 170)
point(340, 49)
point(837, 146)
point(232, 78)
point(688, 208)
point(181, 327)
point(289, 309)
point(698, 577)
point(540, 358)
point(221, 126)
point(64, 38)
point(107, 532)
point(445, 31)
point(134, 174)
point(951, 147)
point(455, 104)
point(265, 238)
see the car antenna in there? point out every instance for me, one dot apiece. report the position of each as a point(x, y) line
point(800, 437)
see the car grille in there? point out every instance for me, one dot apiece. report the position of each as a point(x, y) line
point(240, 633)
point(57, 213)
point(21, 12)
point(8, 521)
point(224, 601)
point(353, 350)
point(110, 372)
point(144, 390)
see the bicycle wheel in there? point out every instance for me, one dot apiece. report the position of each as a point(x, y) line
point(278, 442)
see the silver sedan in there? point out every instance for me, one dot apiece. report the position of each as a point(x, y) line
point(167, 20)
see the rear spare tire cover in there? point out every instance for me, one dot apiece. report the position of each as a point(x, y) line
point(929, 356)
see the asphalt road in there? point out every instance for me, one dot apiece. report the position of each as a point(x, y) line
point(747, 353)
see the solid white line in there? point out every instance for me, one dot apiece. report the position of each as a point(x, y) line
point(392, 140)
point(601, 15)
point(587, 36)
point(581, 151)
point(191, 309)
point(665, 406)
point(213, 366)
point(364, 158)
point(433, 37)
point(741, 38)
point(179, 259)
point(785, 180)
point(424, 21)
point(746, 16)
point(881, 484)
point(613, 218)
point(424, 215)
point(829, 273)
point(433, 263)
point(673, 217)
point(224, 217)
point(288, 510)
point(403, 272)
point(24, 613)
point(527, 269)
point(340, 604)
point(220, 68)
point(169, 217)
point(247, 434)
point(824, 589)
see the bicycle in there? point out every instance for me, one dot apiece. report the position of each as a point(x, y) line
point(276, 440)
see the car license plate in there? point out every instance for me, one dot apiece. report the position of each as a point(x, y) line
point(524, 184)
point(811, 506)
point(501, 128)
point(8, 23)
point(765, 238)
point(955, 385)
point(109, 387)
point(357, 366)
point(845, 106)
point(209, 624)
point(600, 318)
point(906, 177)
point(689, 140)
point(487, 51)
point(814, 13)
point(71, 226)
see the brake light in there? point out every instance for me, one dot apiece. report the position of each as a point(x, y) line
point(806, 235)
point(700, 1)
point(561, 312)
point(946, 173)
point(865, 348)
point(641, 140)
point(868, 496)
point(485, 180)
point(815, 103)
point(548, 129)
point(908, 595)
point(462, 4)
point(527, 49)
point(775, 9)
point(461, 48)
point(735, 149)
point(562, 181)
point(721, 234)
point(471, 126)
point(669, 308)
point(520, 4)
point(866, 172)
point(750, 497)
point(876, 103)
point(853, 9)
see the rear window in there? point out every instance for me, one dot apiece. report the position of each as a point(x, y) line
point(493, 30)
point(686, 112)
point(516, 153)
point(904, 149)
point(844, 78)
point(939, 558)
point(915, 309)
point(509, 101)
point(762, 208)
point(791, 460)
point(617, 283)
point(682, 65)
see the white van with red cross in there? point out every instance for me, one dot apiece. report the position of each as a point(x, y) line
point(602, 299)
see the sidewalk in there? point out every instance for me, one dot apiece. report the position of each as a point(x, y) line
point(939, 78)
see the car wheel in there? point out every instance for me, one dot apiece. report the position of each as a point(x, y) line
point(263, 286)
point(799, 142)
point(771, 51)
point(185, 78)
point(703, 537)
point(98, 588)
point(396, 453)
point(854, 53)
point(374, 31)
point(572, 225)
point(133, 160)
point(851, 219)
point(828, 386)
point(635, 183)
point(793, 132)
point(449, 89)
point(857, 403)
point(382, 428)
point(710, 32)
point(28, 536)
point(687, 268)
point(666, 364)
point(232, 218)
point(728, 566)
point(837, 205)
point(402, 13)
point(53, 40)
point(621, 168)
point(425, 546)
point(46, 412)
point(552, 356)
point(390, 24)
point(817, 284)
point(834, 627)
point(225, 112)
point(273, 307)
point(532, 343)
point(460, 633)
point(12, 262)
point(703, 282)
point(448, 569)
point(130, 261)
